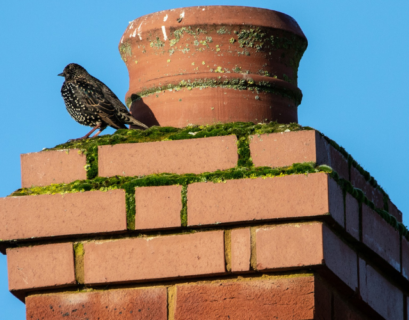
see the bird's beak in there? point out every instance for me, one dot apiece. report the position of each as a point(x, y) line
point(61, 74)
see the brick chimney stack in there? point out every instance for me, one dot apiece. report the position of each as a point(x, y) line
point(220, 219)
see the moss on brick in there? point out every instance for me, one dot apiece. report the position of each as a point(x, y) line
point(241, 129)
point(362, 199)
point(183, 211)
point(79, 262)
point(244, 169)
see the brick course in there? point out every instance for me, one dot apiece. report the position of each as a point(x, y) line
point(127, 304)
point(374, 195)
point(405, 258)
point(285, 148)
point(305, 244)
point(352, 216)
point(62, 214)
point(271, 198)
point(40, 266)
point(276, 298)
point(381, 237)
point(180, 156)
point(379, 293)
point(136, 259)
point(47, 167)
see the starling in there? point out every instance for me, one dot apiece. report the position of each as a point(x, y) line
point(91, 103)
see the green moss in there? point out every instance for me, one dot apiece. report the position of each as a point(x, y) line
point(157, 43)
point(130, 183)
point(251, 38)
point(178, 34)
point(79, 262)
point(244, 169)
point(222, 30)
point(353, 163)
point(235, 84)
point(183, 212)
point(362, 199)
point(125, 50)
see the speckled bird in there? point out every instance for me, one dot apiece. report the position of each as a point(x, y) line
point(91, 103)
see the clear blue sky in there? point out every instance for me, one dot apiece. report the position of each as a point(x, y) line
point(353, 76)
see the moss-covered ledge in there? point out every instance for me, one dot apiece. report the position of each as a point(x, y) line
point(164, 179)
point(241, 129)
point(244, 169)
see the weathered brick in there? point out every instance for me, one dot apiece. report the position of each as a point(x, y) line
point(181, 156)
point(40, 266)
point(47, 167)
point(127, 304)
point(135, 259)
point(380, 236)
point(340, 258)
point(393, 210)
point(264, 198)
point(158, 207)
point(285, 148)
point(306, 244)
point(62, 214)
point(240, 250)
point(379, 293)
point(405, 258)
point(374, 195)
point(323, 298)
point(339, 163)
point(352, 216)
point(346, 311)
point(275, 298)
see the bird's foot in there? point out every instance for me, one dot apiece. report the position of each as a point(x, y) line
point(78, 139)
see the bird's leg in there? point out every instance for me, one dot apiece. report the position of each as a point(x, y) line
point(100, 130)
point(89, 133)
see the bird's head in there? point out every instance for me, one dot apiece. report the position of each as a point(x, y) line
point(73, 71)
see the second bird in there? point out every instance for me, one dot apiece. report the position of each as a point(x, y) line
point(91, 103)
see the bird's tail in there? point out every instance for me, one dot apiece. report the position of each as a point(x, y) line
point(131, 120)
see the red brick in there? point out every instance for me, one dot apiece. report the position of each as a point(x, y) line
point(346, 311)
point(323, 298)
point(380, 236)
point(240, 250)
point(62, 214)
point(374, 195)
point(339, 163)
point(340, 258)
point(393, 210)
point(275, 298)
point(181, 156)
point(158, 207)
point(405, 258)
point(379, 293)
point(41, 266)
point(127, 304)
point(135, 259)
point(264, 198)
point(352, 216)
point(307, 244)
point(47, 167)
point(285, 148)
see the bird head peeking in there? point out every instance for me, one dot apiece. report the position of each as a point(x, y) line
point(73, 71)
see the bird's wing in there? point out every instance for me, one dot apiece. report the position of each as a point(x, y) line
point(122, 112)
point(92, 97)
point(109, 95)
